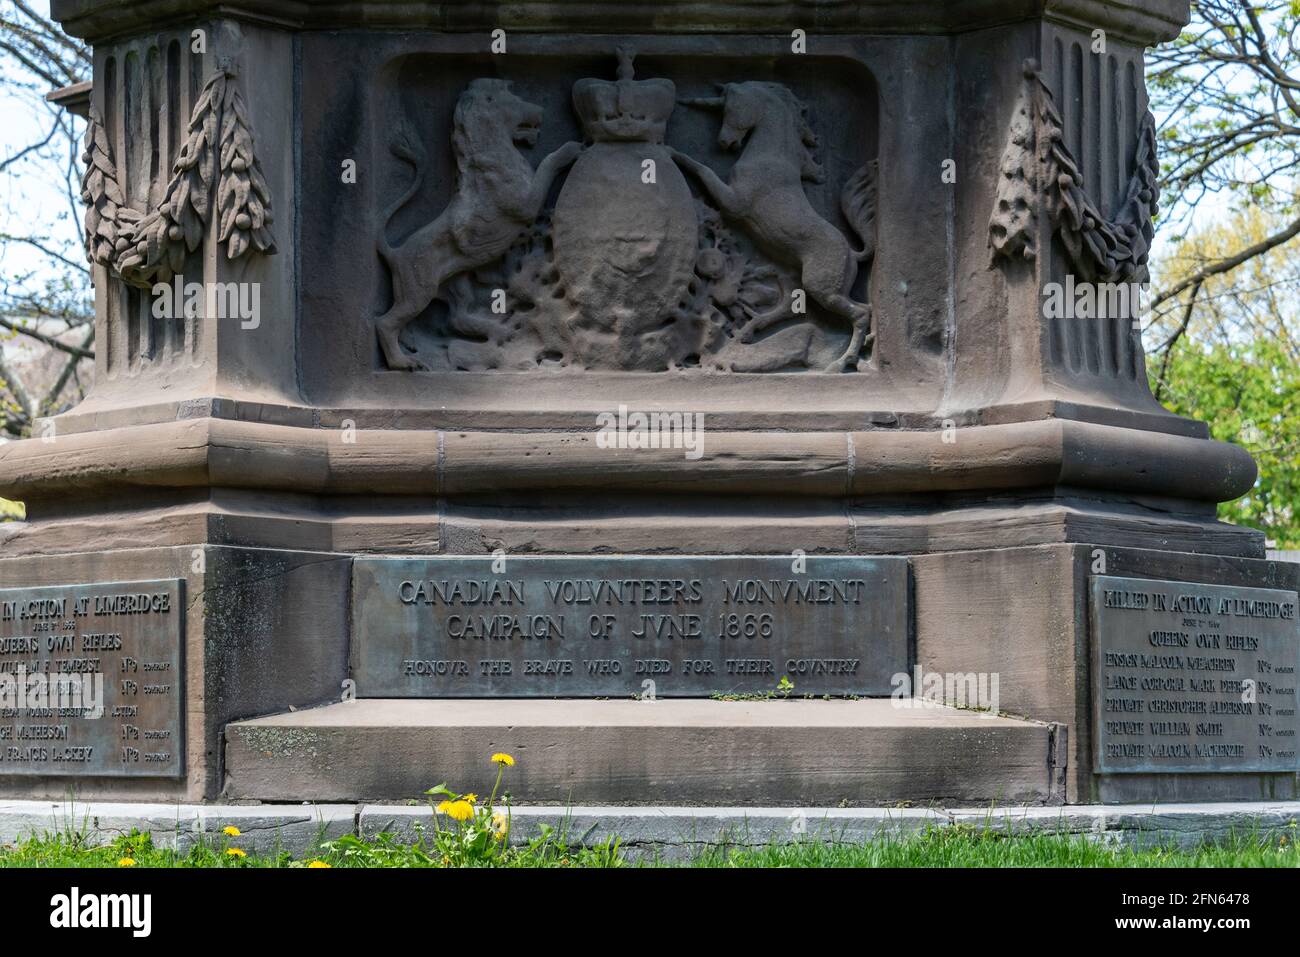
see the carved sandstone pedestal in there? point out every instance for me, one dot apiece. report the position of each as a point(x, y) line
point(415, 465)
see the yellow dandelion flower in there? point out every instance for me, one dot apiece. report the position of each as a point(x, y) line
point(502, 758)
point(318, 864)
point(235, 852)
point(230, 831)
point(471, 798)
point(126, 862)
point(460, 810)
point(500, 826)
point(442, 808)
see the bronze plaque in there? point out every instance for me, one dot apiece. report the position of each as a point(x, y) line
point(1193, 678)
point(92, 680)
point(618, 626)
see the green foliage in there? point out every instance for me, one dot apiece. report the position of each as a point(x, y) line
point(784, 688)
point(1249, 393)
point(71, 848)
point(475, 834)
point(449, 848)
point(1225, 83)
point(465, 832)
point(1232, 361)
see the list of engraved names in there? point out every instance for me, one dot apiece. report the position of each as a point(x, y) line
point(1194, 678)
point(90, 680)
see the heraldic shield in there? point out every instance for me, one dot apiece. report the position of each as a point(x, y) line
point(625, 254)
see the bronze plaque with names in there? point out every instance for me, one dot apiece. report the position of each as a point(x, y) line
point(625, 625)
point(92, 680)
point(1190, 677)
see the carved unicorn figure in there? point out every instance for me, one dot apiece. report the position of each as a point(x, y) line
point(765, 195)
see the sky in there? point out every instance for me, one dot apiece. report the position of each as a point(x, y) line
point(36, 193)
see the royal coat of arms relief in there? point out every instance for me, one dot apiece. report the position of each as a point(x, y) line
point(644, 259)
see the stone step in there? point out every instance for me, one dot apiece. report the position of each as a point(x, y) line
point(669, 752)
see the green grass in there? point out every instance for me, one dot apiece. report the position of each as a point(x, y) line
point(71, 850)
point(967, 847)
point(934, 847)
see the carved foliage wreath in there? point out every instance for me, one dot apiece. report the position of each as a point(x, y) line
point(1038, 173)
point(148, 248)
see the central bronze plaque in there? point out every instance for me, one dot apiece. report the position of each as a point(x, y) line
point(617, 626)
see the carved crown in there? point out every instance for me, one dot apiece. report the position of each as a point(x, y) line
point(625, 109)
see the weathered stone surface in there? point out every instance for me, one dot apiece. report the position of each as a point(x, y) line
point(201, 408)
point(648, 216)
point(877, 87)
point(1022, 613)
point(253, 455)
point(1142, 20)
point(264, 630)
point(627, 752)
point(676, 833)
point(620, 626)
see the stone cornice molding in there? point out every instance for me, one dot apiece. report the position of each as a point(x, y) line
point(1141, 21)
point(211, 452)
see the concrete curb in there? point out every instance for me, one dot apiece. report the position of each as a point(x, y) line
point(295, 828)
point(667, 832)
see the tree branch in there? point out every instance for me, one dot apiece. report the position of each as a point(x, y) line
point(69, 368)
point(18, 389)
point(1228, 264)
point(80, 353)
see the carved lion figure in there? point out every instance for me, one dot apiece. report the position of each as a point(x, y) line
point(497, 197)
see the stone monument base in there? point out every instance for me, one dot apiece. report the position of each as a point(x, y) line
point(1025, 615)
point(1023, 618)
point(792, 406)
point(266, 645)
